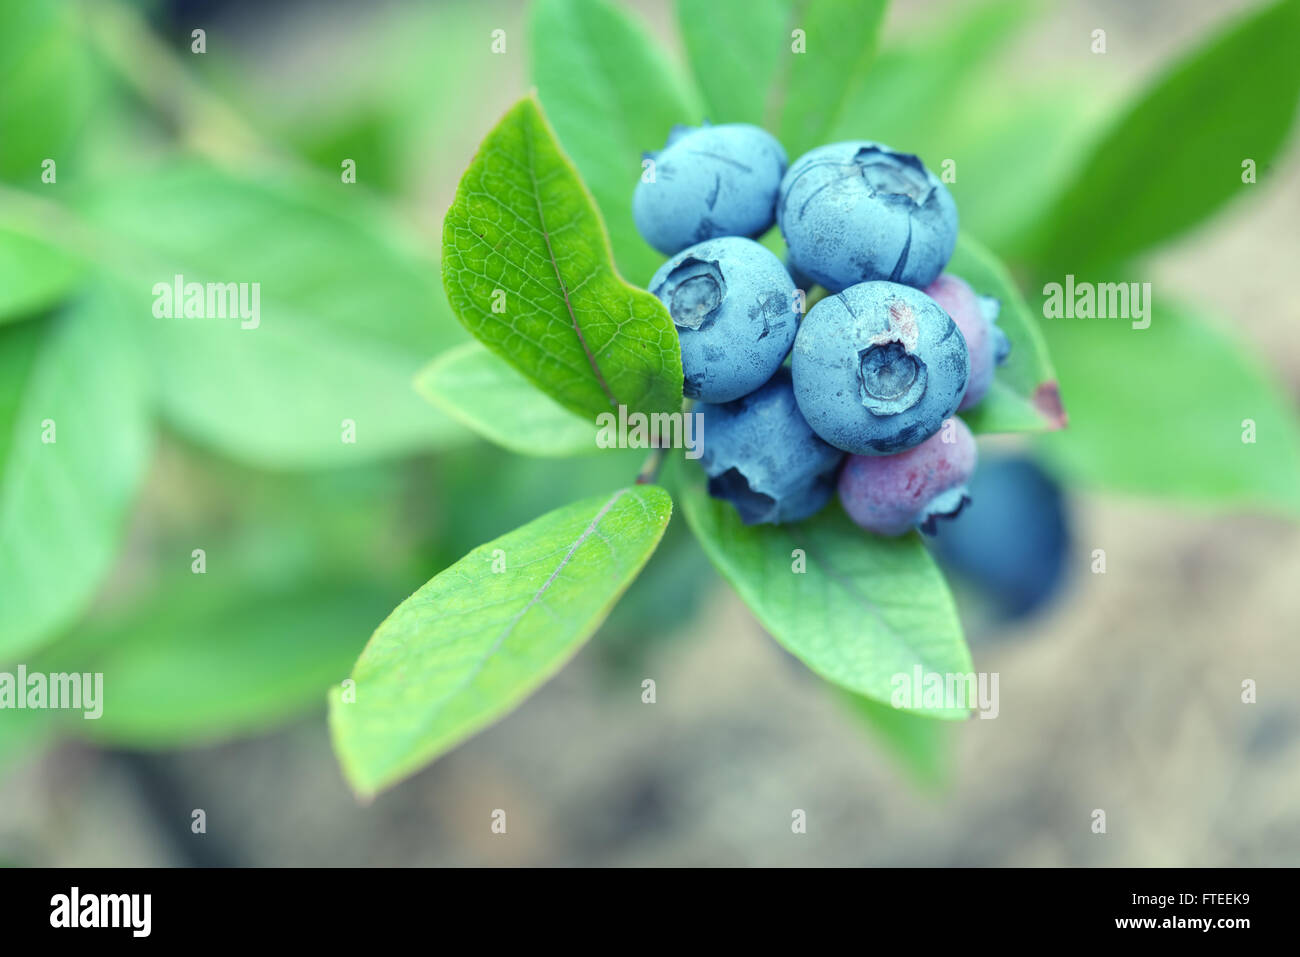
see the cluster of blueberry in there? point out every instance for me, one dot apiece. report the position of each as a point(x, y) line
point(876, 368)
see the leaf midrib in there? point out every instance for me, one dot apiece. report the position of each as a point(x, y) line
point(555, 265)
point(436, 707)
point(846, 584)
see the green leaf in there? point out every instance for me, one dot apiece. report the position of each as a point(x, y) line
point(526, 267)
point(1024, 396)
point(1032, 138)
point(471, 644)
point(47, 79)
point(349, 312)
point(74, 380)
point(813, 87)
point(1230, 100)
point(386, 100)
point(1161, 412)
point(34, 274)
point(743, 54)
point(864, 610)
point(612, 95)
point(916, 88)
point(206, 659)
point(487, 394)
point(919, 743)
point(735, 48)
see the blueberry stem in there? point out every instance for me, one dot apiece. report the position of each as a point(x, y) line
point(650, 469)
point(654, 462)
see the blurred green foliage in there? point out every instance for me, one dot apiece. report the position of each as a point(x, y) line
point(175, 436)
point(50, 81)
point(751, 61)
point(1178, 152)
point(494, 399)
point(73, 398)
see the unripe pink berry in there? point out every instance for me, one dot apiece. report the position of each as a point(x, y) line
point(975, 316)
point(890, 494)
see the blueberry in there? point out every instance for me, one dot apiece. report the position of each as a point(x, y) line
point(858, 211)
point(878, 367)
point(799, 279)
point(761, 456)
point(733, 304)
point(1013, 540)
point(889, 494)
point(976, 317)
point(709, 181)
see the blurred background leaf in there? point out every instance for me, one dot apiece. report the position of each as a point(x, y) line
point(1160, 412)
point(410, 118)
point(813, 87)
point(921, 81)
point(34, 274)
point(49, 77)
point(753, 68)
point(938, 91)
point(350, 311)
point(75, 441)
point(1230, 99)
point(488, 395)
point(517, 488)
point(207, 657)
point(735, 49)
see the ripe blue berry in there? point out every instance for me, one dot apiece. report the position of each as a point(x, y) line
point(890, 494)
point(1012, 541)
point(976, 317)
point(709, 181)
point(761, 456)
point(878, 367)
point(858, 211)
point(734, 307)
point(799, 279)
